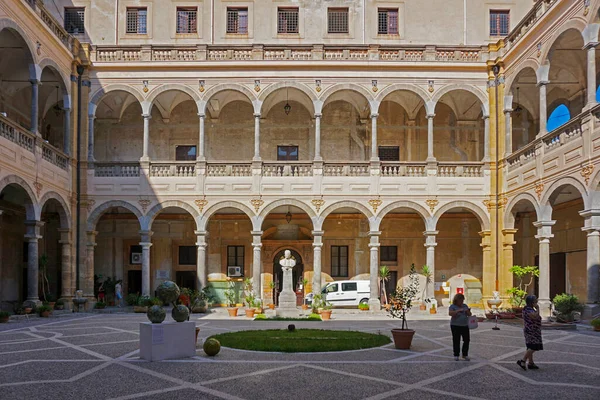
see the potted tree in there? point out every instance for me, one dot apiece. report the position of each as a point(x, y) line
point(44, 311)
point(249, 297)
point(384, 276)
point(230, 297)
point(304, 283)
point(363, 306)
point(426, 272)
point(400, 304)
point(142, 304)
point(326, 312)
point(519, 292)
point(596, 324)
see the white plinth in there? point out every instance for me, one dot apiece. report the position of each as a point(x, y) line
point(167, 341)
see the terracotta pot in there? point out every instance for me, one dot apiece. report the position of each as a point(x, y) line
point(597, 328)
point(28, 310)
point(250, 312)
point(259, 310)
point(45, 314)
point(232, 311)
point(387, 307)
point(140, 309)
point(422, 307)
point(197, 331)
point(432, 311)
point(305, 306)
point(326, 314)
point(272, 306)
point(51, 304)
point(403, 338)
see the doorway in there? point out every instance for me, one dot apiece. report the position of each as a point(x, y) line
point(297, 271)
point(134, 281)
point(186, 279)
point(558, 274)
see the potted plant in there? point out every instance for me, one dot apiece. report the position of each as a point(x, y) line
point(317, 303)
point(230, 296)
point(304, 284)
point(44, 311)
point(258, 308)
point(426, 272)
point(51, 300)
point(200, 299)
point(59, 305)
point(432, 309)
point(43, 276)
point(131, 299)
point(272, 286)
point(565, 305)
point(142, 304)
point(363, 306)
point(384, 276)
point(519, 292)
point(100, 305)
point(596, 324)
point(400, 305)
point(4, 315)
point(326, 312)
point(249, 297)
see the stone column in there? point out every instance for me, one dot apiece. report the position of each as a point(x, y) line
point(201, 140)
point(544, 235)
point(35, 93)
point(374, 302)
point(257, 263)
point(146, 243)
point(591, 75)
point(505, 276)
point(486, 138)
point(67, 132)
point(86, 276)
point(318, 137)
point(430, 244)
point(317, 247)
point(489, 271)
point(201, 271)
point(147, 118)
point(374, 152)
point(91, 119)
point(507, 132)
point(430, 156)
point(593, 265)
point(66, 264)
point(543, 108)
point(256, 137)
point(33, 236)
point(410, 132)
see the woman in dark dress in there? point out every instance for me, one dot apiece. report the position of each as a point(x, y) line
point(532, 328)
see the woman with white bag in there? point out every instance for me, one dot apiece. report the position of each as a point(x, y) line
point(459, 324)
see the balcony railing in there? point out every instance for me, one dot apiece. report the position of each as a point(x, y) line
point(287, 169)
point(16, 134)
point(229, 169)
point(346, 169)
point(463, 169)
point(180, 169)
point(55, 156)
point(52, 23)
point(117, 169)
point(159, 53)
point(410, 169)
point(528, 21)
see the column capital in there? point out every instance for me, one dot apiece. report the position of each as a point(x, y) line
point(256, 115)
point(542, 83)
point(201, 115)
point(544, 229)
point(430, 116)
point(591, 219)
point(146, 245)
point(146, 116)
point(430, 233)
point(146, 236)
point(34, 82)
point(590, 46)
point(201, 233)
point(508, 111)
point(484, 117)
point(318, 115)
point(91, 238)
point(257, 233)
point(374, 115)
point(318, 233)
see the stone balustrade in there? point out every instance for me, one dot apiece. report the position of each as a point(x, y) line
point(346, 169)
point(55, 27)
point(181, 169)
point(225, 169)
point(151, 53)
point(464, 170)
point(532, 17)
point(16, 134)
point(55, 156)
point(286, 169)
point(394, 169)
point(117, 170)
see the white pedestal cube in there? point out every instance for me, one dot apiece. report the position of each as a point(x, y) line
point(167, 341)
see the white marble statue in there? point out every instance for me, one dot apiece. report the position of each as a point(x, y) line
point(287, 297)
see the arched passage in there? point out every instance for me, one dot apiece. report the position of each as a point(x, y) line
point(51, 104)
point(525, 108)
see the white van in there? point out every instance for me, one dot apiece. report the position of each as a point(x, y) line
point(345, 293)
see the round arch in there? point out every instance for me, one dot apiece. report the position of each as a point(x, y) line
point(530, 63)
point(546, 207)
point(330, 91)
point(227, 204)
point(288, 202)
point(344, 204)
point(176, 87)
point(6, 23)
point(419, 209)
point(483, 99)
point(509, 217)
point(98, 94)
point(282, 85)
point(222, 87)
point(575, 24)
point(64, 213)
point(395, 87)
point(477, 211)
point(32, 209)
point(95, 215)
point(149, 218)
point(50, 63)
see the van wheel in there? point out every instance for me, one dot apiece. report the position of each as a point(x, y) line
point(364, 301)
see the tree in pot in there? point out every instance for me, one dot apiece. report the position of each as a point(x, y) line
point(59, 305)
point(519, 292)
point(384, 276)
point(426, 272)
point(304, 284)
point(230, 297)
point(400, 304)
point(44, 311)
point(249, 297)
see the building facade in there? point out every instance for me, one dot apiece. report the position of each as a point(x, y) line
point(214, 135)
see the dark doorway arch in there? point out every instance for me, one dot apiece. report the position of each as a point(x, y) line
point(297, 271)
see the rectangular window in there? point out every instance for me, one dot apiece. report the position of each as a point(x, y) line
point(187, 20)
point(287, 20)
point(237, 20)
point(388, 253)
point(287, 153)
point(339, 261)
point(349, 287)
point(74, 20)
point(135, 254)
point(235, 256)
point(337, 20)
point(499, 22)
point(185, 153)
point(389, 153)
point(136, 20)
point(387, 21)
point(187, 255)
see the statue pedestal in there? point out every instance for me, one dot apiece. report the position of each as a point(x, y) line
point(167, 341)
point(287, 297)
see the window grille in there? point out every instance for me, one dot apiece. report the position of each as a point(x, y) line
point(74, 20)
point(185, 153)
point(287, 20)
point(136, 20)
point(188, 255)
point(389, 153)
point(287, 153)
point(337, 20)
point(388, 253)
point(237, 20)
point(387, 21)
point(187, 20)
point(339, 261)
point(235, 257)
point(499, 22)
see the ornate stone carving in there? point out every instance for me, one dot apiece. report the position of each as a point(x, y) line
point(257, 85)
point(257, 204)
point(89, 204)
point(586, 172)
point(38, 188)
point(318, 85)
point(432, 203)
point(144, 203)
point(318, 203)
point(539, 188)
point(431, 88)
point(374, 84)
point(201, 203)
point(375, 203)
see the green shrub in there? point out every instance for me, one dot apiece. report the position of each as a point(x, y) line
point(363, 306)
point(595, 322)
point(314, 317)
point(60, 302)
point(260, 316)
point(100, 304)
point(155, 301)
point(131, 299)
point(43, 308)
point(565, 305)
point(144, 301)
point(4, 314)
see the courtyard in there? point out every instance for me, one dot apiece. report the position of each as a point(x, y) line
point(96, 356)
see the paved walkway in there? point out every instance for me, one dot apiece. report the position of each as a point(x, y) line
point(91, 356)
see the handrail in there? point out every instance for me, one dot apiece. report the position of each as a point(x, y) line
point(51, 22)
point(533, 16)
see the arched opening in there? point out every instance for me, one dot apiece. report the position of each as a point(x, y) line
point(56, 279)
point(526, 108)
point(558, 117)
point(458, 127)
point(51, 107)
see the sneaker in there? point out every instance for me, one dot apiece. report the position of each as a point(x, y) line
point(455, 358)
point(532, 366)
point(522, 365)
point(466, 358)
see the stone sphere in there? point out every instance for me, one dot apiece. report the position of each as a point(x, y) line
point(291, 327)
point(212, 347)
point(180, 313)
point(168, 292)
point(156, 314)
